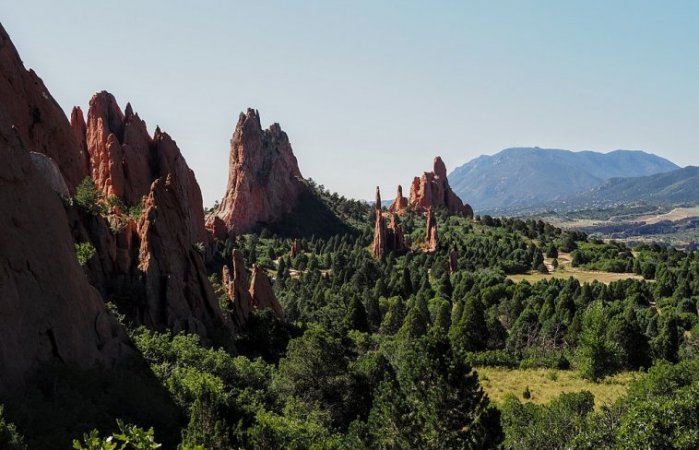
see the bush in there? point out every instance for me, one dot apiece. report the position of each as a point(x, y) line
point(89, 197)
point(10, 439)
point(85, 251)
point(526, 394)
point(492, 358)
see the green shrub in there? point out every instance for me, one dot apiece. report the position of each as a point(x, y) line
point(85, 251)
point(89, 197)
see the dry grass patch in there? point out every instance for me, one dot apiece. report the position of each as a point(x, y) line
point(546, 384)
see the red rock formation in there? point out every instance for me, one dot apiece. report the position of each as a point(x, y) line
point(431, 233)
point(244, 300)
point(238, 293)
point(178, 294)
point(386, 238)
point(262, 294)
point(155, 262)
point(49, 311)
point(295, 248)
point(432, 190)
point(120, 149)
point(264, 181)
point(216, 228)
point(400, 204)
point(38, 121)
point(453, 261)
point(378, 247)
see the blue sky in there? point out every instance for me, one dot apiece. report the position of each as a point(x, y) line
point(368, 91)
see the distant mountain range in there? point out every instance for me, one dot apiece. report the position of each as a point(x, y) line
point(677, 186)
point(521, 178)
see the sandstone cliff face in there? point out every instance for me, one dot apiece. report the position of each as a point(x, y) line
point(431, 190)
point(177, 292)
point(387, 238)
point(264, 180)
point(49, 310)
point(400, 204)
point(38, 121)
point(154, 264)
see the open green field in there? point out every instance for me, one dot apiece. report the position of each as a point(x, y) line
point(546, 384)
point(565, 270)
point(584, 276)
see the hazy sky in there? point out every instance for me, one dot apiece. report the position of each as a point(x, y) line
point(370, 91)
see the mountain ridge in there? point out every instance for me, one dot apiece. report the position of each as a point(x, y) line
point(525, 176)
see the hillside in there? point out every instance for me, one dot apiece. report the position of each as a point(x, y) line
point(523, 177)
point(677, 186)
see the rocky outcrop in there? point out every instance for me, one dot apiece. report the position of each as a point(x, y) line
point(120, 149)
point(378, 246)
point(431, 232)
point(38, 120)
point(295, 248)
point(49, 311)
point(387, 238)
point(243, 299)
point(155, 262)
point(400, 204)
point(264, 180)
point(240, 301)
point(178, 295)
point(432, 190)
point(50, 172)
point(262, 294)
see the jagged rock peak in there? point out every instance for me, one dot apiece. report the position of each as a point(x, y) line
point(440, 169)
point(377, 205)
point(39, 123)
point(432, 190)
point(400, 203)
point(264, 180)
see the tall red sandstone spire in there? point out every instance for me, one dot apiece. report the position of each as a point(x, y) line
point(400, 204)
point(264, 180)
point(387, 238)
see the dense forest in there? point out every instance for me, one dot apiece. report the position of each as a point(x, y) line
point(384, 353)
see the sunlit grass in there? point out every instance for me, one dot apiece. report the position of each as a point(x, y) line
point(546, 384)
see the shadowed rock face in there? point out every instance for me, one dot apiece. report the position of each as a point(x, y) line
point(264, 180)
point(154, 263)
point(49, 310)
point(38, 121)
point(243, 300)
point(431, 190)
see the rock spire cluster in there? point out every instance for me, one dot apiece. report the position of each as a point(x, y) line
point(387, 237)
